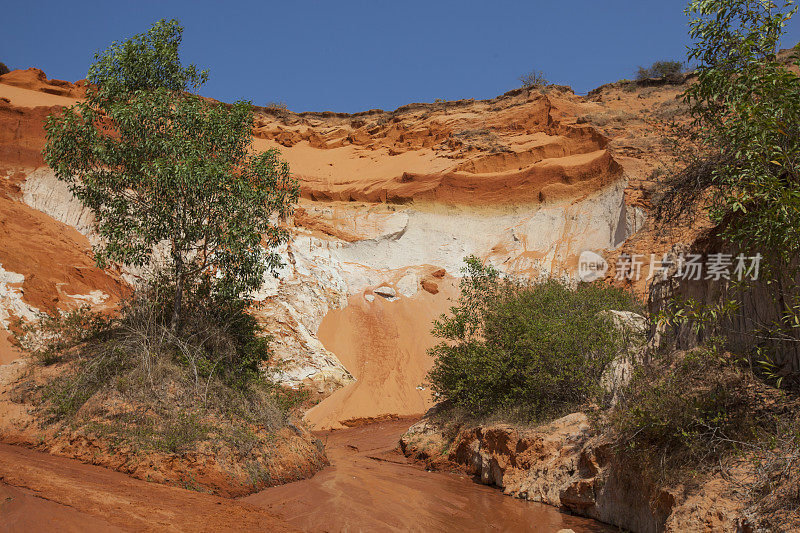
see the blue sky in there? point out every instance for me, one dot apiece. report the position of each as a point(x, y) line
point(352, 55)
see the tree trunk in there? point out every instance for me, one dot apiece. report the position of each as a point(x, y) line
point(176, 304)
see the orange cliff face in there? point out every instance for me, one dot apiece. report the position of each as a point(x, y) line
point(526, 181)
point(514, 149)
point(45, 262)
point(391, 204)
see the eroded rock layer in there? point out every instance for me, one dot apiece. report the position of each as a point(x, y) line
point(391, 204)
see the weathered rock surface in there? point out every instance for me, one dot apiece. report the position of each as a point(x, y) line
point(386, 292)
point(564, 464)
point(632, 329)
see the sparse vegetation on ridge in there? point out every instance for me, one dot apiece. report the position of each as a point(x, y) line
point(4, 69)
point(276, 106)
point(671, 71)
point(534, 79)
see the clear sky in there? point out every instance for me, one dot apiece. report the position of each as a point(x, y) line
point(353, 55)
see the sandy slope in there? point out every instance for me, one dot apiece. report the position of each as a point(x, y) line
point(81, 497)
point(383, 344)
point(20, 96)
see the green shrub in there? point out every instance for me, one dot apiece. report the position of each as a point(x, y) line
point(4, 69)
point(210, 373)
point(667, 70)
point(50, 336)
point(533, 350)
point(690, 409)
point(218, 332)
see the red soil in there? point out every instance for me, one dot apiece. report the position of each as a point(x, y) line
point(47, 490)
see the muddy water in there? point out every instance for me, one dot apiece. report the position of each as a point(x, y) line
point(372, 487)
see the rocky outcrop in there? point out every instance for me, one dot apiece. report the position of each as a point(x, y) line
point(748, 314)
point(632, 329)
point(34, 79)
point(386, 292)
point(41, 190)
point(567, 465)
point(292, 306)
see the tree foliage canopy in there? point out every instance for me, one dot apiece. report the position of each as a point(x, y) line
point(746, 105)
point(160, 166)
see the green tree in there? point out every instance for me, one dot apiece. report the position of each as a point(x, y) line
point(162, 167)
point(746, 106)
point(746, 109)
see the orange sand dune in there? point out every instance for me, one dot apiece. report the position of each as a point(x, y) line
point(383, 344)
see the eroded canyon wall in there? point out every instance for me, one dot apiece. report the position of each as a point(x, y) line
point(391, 204)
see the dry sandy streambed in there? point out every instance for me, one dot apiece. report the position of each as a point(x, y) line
point(368, 487)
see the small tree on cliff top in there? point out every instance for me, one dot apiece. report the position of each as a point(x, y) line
point(159, 165)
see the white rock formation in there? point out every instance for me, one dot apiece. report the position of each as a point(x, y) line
point(43, 191)
point(386, 292)
point(11, 303)
point(388, 249)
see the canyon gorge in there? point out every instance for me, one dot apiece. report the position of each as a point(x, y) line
point(391, 203)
